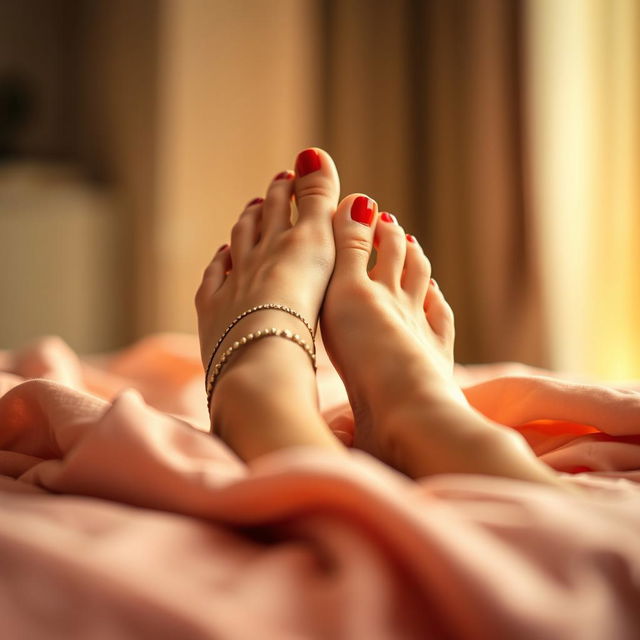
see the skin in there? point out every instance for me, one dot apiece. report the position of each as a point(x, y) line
point(388, 332)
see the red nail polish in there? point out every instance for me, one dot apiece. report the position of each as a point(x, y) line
point(307, 161)
point(222, 248)
point(284, 175)
point(387, 217)
point(255, 201)
point(410, 238)
point(362, 210)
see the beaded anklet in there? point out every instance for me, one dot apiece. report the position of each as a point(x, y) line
point(244, 314)
point(252, 337)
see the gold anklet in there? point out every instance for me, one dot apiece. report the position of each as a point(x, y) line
point(244, 314)
point(252, 337)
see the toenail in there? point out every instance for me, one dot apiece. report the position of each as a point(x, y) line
point(362, 210)
point(411, 238)
point(308, 161)
point(284, 175)
point(224, 246)
point(388, 217)
point(255, 201)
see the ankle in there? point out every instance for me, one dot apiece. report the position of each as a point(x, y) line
point(262, 405)
point(264, 377)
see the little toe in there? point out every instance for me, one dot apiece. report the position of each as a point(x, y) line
point(439, 314)
point(417, 270)
point(353, 234)
point(214, 276)
point(389, 239)
point(276, 210)
point(317, 189)
point(246, 231)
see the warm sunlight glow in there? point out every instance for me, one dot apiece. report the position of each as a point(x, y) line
point(583, 116)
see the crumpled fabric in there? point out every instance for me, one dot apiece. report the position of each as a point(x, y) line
point(123, 518)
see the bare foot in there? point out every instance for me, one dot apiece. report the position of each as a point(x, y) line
point(390, 335)
point(271, 261)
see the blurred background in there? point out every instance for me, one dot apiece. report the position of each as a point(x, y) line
point(504, 134)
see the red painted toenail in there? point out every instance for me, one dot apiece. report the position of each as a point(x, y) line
point(387, 217)
point(411, 238)
point(284, 175)
point(308, 161)
point(255, 201)
point(362, 210)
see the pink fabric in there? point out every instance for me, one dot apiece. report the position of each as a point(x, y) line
point(122, 519)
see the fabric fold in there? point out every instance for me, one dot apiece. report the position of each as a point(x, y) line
point(122, 518)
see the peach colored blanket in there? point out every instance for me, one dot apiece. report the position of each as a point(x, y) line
point(120, 518)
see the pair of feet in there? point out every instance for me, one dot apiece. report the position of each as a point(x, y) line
point(389, 333)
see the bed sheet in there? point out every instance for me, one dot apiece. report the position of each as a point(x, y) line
point(123, 518)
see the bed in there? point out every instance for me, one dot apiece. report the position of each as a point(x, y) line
point(123, 518)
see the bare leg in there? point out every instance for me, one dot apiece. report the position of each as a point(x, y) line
point(390, 335)
point(265, 397)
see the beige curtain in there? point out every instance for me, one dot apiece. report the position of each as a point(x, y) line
point(503, 134)
point(584, 112)
point(238, 97)
point(425, 113)
point(506, 135)
point(419, 102)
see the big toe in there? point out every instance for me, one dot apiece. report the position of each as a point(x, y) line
point(317, 188)
point(353, 233)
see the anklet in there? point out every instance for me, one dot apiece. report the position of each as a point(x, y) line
point(244, 314)
point(252, 337)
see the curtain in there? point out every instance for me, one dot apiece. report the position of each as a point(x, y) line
point(424, 112)
point(503, 134)
point(506, 136)
point(238, 96)
point(584, 113)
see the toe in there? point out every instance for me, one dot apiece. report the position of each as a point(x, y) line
point(317, 188)
point(276, 210)
point(439, 314)
point(245, 232)
point(353, 234)
point(417, 270)
point(214, 276)
point(391, 245)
